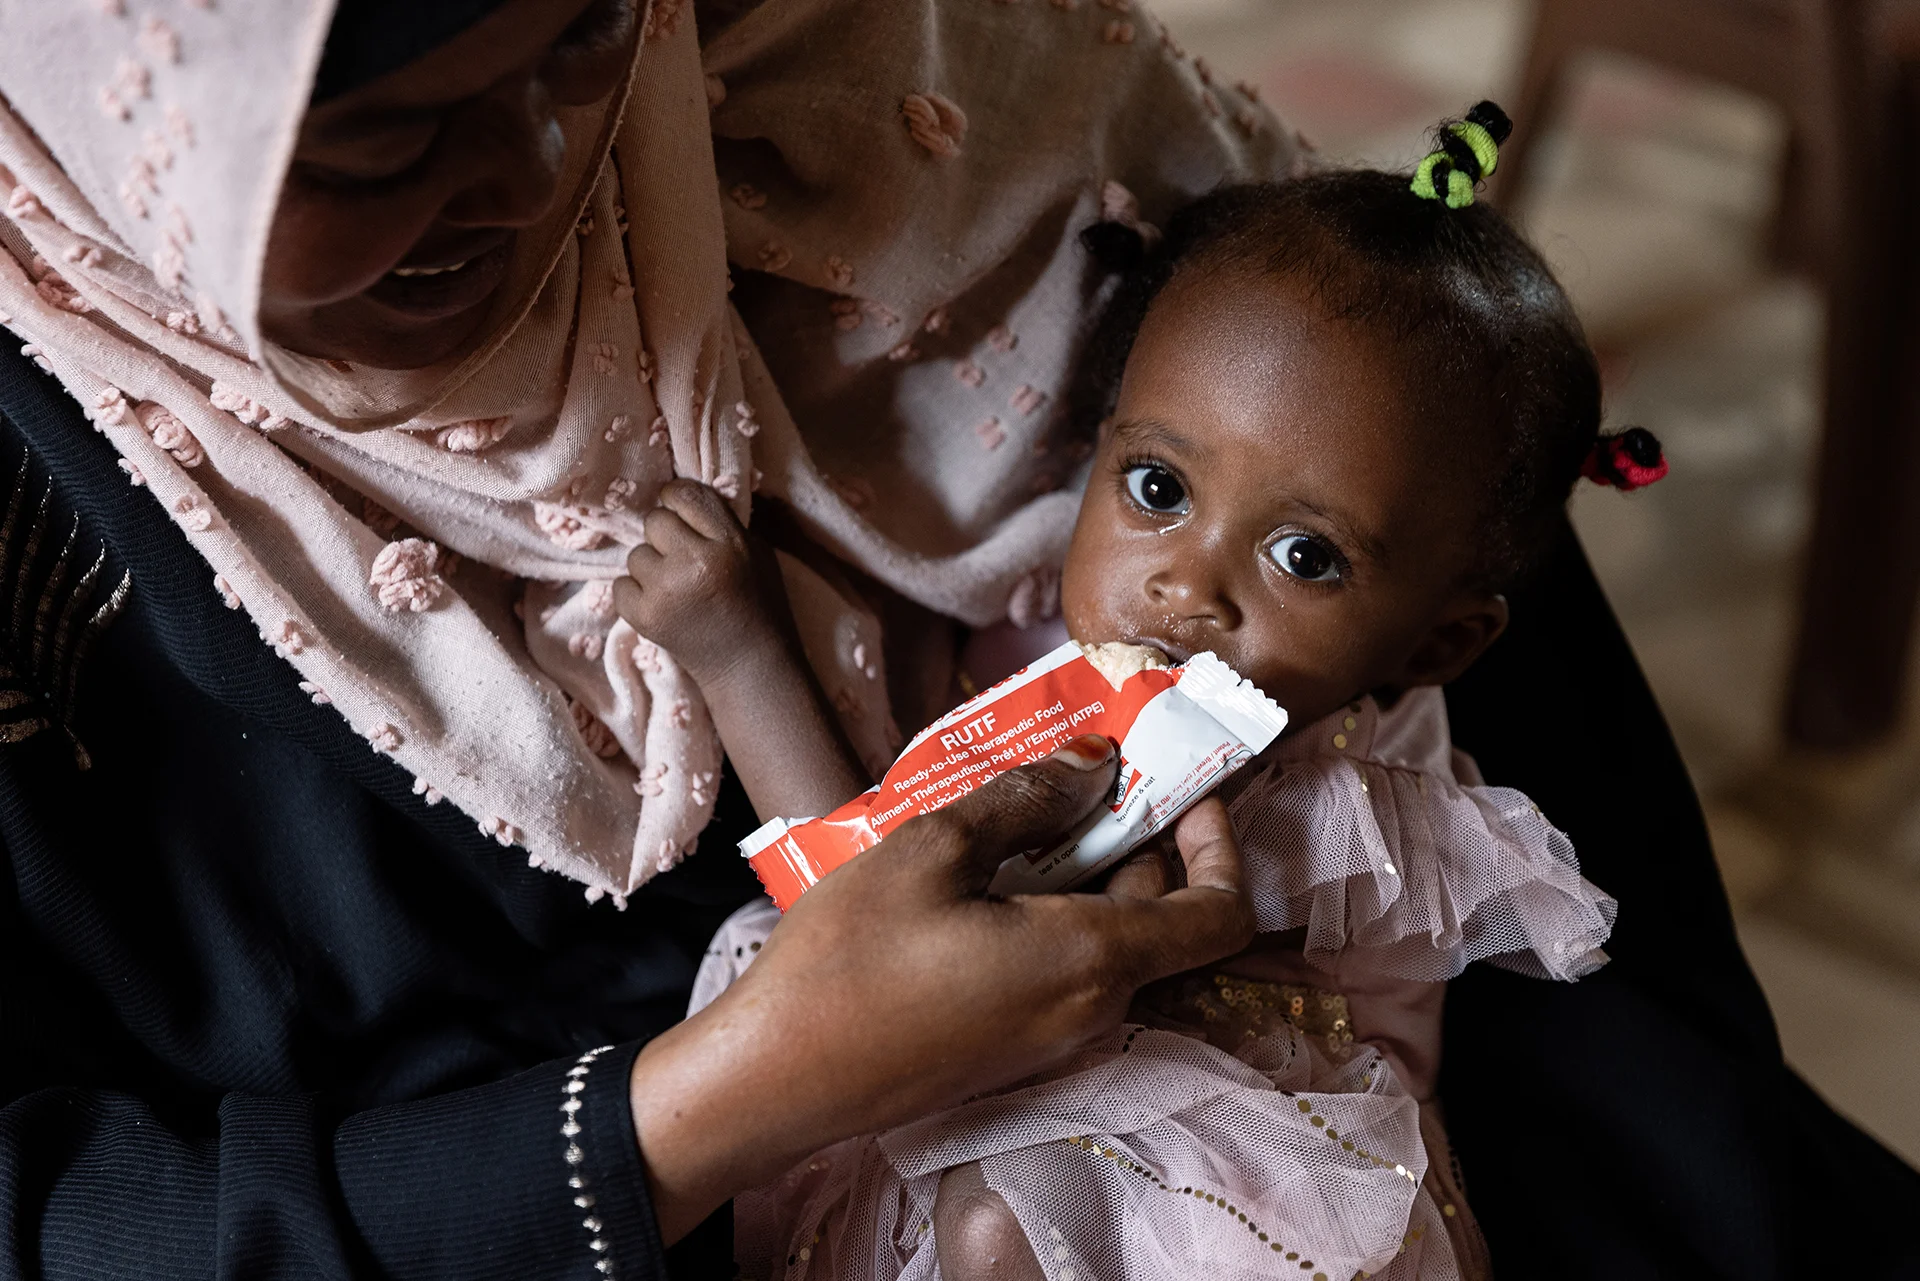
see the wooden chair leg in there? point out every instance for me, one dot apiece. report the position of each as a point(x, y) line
point(1552, 48)
point(1862, 576)
point(1822, 135)
point(1793, 240)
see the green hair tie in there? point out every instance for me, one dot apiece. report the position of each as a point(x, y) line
point(1458, 193)
point(1485, 149)
point(1423, 176)
point(1442, 174)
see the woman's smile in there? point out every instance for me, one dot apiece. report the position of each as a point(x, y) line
point(402, 208)
point(439, 291)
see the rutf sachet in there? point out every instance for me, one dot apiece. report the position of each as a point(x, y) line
point(1180, 730)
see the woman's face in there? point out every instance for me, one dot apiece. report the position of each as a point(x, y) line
point(1269, 489)
point(399, 214)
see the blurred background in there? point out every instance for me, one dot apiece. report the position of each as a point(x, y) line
point(1681, 211)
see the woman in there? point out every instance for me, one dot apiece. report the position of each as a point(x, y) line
point(399, 319)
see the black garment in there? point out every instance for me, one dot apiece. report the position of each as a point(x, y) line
point(1640, 1122)
point(265, 1014)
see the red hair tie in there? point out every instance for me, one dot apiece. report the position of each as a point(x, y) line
point(1626, 461)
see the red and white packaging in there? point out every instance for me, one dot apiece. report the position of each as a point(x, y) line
point(1180, 730)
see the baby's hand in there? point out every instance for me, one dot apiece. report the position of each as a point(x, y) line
point(700, 587)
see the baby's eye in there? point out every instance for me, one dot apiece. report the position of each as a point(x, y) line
point(1306, 558)
point(1157, 489)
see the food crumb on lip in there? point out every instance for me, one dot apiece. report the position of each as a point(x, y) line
point(1118, 660)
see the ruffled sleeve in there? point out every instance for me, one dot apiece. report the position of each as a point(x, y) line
point(1372, 847)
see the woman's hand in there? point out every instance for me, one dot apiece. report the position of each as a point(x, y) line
point(896, 986)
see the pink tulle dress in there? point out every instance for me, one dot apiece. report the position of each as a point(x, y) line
point(1273, 1116)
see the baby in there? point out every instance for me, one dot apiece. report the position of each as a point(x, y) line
point(1347, 412)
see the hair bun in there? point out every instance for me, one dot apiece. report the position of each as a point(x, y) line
point(1488, 116)
point(1468, 151)
point(1627, 460)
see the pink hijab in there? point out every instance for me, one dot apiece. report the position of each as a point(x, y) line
point(432, 549)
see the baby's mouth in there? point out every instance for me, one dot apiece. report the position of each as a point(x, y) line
point(1175, 654)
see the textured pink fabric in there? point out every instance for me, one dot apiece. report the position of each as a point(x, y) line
point(1153, 1154)
point(141, 152)
point(403, 575)
point(935, 122)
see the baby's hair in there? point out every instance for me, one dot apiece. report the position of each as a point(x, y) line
point(1492, 330)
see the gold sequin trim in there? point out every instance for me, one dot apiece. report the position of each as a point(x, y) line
point(1228, 1010)
point(1233, 1213)
point(805, 1252)
point(1347, 1145)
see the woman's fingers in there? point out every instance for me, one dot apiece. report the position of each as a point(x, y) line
point(1208, 848)
point(1023, 809)
point(888, 991)
point(1210, 918)
point(1143, 875)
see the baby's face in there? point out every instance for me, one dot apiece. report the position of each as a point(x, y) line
point(1268, 490)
